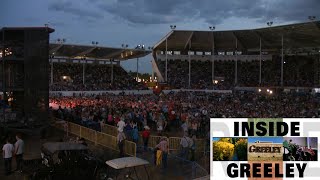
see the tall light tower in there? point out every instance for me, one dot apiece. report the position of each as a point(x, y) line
point(139, 46)
point(212, 28)
point(173, 27)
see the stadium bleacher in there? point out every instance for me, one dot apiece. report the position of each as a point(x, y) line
point(68, 77)
point(298, 72)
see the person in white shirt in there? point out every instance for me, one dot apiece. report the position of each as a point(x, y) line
point(19, 149)
point(121, 124)
point(185, 145)
point(8, 151)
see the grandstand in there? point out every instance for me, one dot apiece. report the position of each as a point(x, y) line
point(91, 68)
point(281, 56)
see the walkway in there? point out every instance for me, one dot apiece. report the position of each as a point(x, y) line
point(177, 168)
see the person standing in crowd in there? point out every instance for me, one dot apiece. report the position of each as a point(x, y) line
point(184, 127)
point(135, 135)
point(185, 144)
point(164, 148)
point(128, 130)
point(193, 147)
point(145, 137)
point(8, 151)
point(121, 124)
point(160, 126)
point(120, 140)
point(19, 150)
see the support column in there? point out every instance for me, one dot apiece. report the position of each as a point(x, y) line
point(318, 70)
point(236, 65)
point(83, 72)
point(189, 70)
point(282, 60)
point(166, 73)
point(111, 71)
point(137, 69)
point(260, 64)
point(4, 98)
point(152, 75)
point(51, 71)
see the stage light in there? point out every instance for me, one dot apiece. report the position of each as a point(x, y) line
point(311, 18)
point(269, 23)
point(259, 90)
point(212, 28)
point(268, 90)
point(173, 27)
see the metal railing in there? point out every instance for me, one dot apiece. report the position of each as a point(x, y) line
point(98, 138)
point(130, 148)
point(108, 129)
point(174, 142)
point(108, 134)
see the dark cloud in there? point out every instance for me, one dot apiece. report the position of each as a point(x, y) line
point(70, 8)
point(210, 11)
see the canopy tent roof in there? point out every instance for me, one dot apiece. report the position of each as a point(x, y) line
point(95, 52)
point(296, 37)
point(126, 162)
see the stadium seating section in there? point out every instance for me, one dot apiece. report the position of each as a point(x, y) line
point(97, 77)
point(299, 71)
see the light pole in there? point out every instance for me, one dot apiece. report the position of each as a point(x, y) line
point(51, 72)
point(173, 27)
point(282, 60)
point(83, 69)
point(318, 69)
point(139, 46)
point(260, 64)
point(212, 28)
point(137, 69)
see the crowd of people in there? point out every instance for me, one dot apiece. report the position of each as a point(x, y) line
point(298, 71)
point(187, 111)
point(69, 77)
point(179, 114)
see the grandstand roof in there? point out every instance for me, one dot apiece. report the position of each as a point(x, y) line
point(50, 30)
point(297, 38)
point(95, 52)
